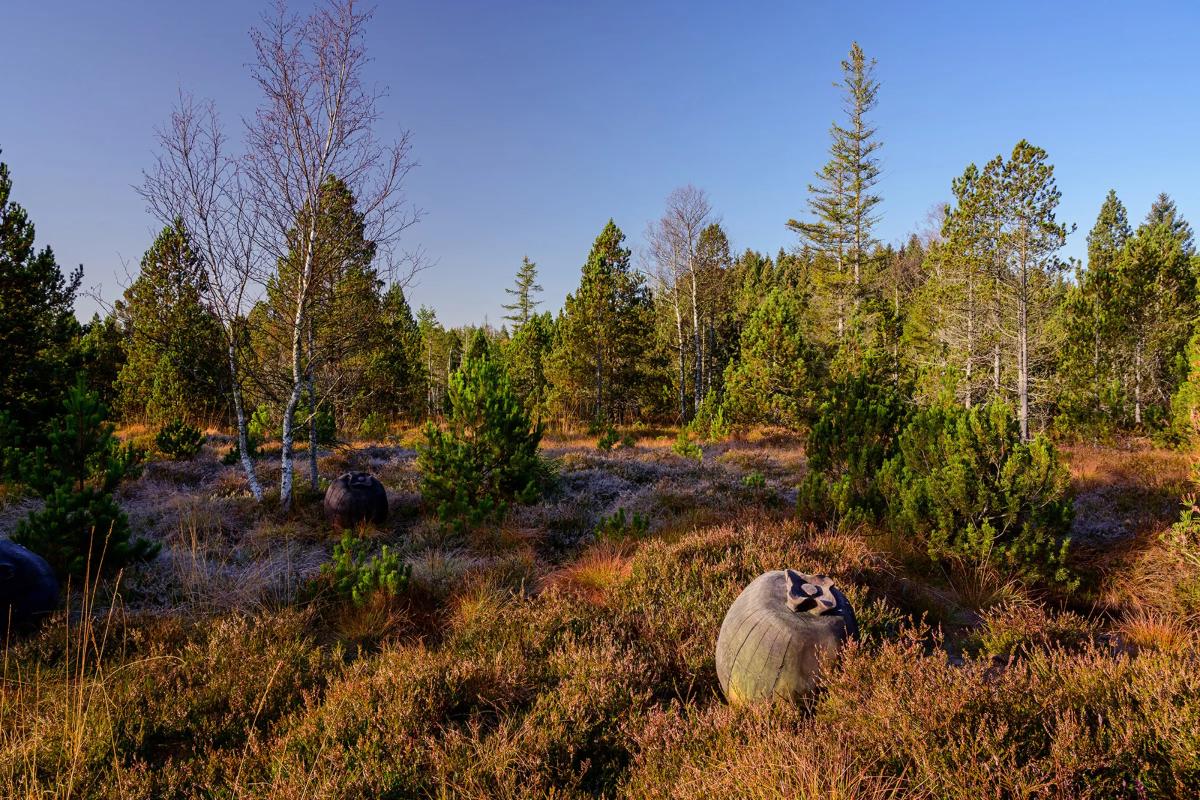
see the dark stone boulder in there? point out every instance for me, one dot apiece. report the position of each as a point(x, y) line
point(28, 588)
point(354, 498)
point(777, 635)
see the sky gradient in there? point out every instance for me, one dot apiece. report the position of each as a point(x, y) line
point(534, 122)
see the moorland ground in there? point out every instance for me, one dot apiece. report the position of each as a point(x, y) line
point(566, 654)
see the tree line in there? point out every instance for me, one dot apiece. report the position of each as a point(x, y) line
point(273, 300)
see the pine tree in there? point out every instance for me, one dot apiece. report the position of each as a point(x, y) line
point(777, 375)
point(598, 364)
point(1154, 300)
point(842, 202)
point(37, 320)
point(487, 458)
point(524, 306)
point(1090, 366)
point(174, 351)
point(81, 529)
point(102, 354)
point(525, 359)
point(1031, 240)
point(396, 374)
point(1163, 211)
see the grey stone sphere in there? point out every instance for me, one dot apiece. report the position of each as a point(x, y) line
point(778, 633)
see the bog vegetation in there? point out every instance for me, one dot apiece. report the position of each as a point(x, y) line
point(984, 445)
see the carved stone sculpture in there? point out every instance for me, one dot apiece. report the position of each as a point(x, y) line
point(778, 633)
point(354, 498)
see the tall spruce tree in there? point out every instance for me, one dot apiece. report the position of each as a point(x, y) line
point(1090, 367)
point(843, 202)
point(1163, 211)
point(597, 365)
point(37, 319)
point(1030, 242)
point(524, 306)
point(396, 373)
point(174, 364)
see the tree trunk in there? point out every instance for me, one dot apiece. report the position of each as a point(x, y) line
point(243, 436)
point(287, 444)
point(697, 344)
point(682, 360)
point(312, 413)
point(1137, 383)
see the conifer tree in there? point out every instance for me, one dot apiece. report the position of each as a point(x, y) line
point(524, 306)
point(597, 365)
point(1090, 367)
point(81, 528)
point(777, 376)
point(487, 458)
point(37, 319)
point(1163, 211)
point(174, 365)
point(842, 202)
point(525, 359)
point(396, 374)
point(1154, 300)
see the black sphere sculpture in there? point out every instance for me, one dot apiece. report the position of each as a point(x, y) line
point(354, 498)
point(28, 588)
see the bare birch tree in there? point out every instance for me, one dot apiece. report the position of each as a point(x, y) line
point(317, 120)
point(195, 180)
point(674, 243)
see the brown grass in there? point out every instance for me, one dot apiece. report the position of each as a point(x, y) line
point(530, 661)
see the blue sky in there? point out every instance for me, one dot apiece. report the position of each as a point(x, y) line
point(534, 122)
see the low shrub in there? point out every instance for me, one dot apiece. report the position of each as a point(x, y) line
point(234, 454)
point(487, 458)
point(81, 530)
point(608, 439)
point(179, 441)
point(965, 484)
point(618, 526)
point(374, 426)
point(754, 480)
point(354, 576)
point(685, 447)
point(855, 432)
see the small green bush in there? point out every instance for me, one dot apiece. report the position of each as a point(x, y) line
point(234, 454)
point(81, 530)
point(754, 480)
point(487, 458)
point(965, 484)
point(259, 426)
point(352, 575)
point(685, 447)
point(179, 441)
point(608, 439)
point(373, 426)
point(618, 526)
point(855, 432)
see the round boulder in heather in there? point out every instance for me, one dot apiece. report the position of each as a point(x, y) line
point(778, 633)
point(354, 498)
point(28, 588)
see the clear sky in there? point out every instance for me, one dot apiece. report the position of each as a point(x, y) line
point(534, 122)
